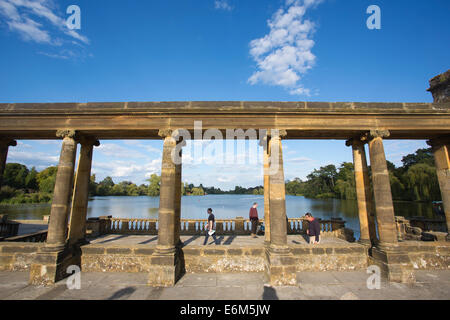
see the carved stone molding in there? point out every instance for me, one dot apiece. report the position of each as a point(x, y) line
point(66, 133)
point(164, 133)
point(372, 134)
point(7, 142)
point(89, 141)
point(277, 133)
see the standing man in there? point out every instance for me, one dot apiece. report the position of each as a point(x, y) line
point(210, 227)
point(313, 229)
point(253, 215)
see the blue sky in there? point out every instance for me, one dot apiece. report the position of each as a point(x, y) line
point(218, 50)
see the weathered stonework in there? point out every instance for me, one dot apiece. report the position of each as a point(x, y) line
point(51, 267)
point(440, 87)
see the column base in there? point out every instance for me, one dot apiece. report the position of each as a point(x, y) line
point(167, 267)
point(394, 262)
point(51, 266)
point(280, 269)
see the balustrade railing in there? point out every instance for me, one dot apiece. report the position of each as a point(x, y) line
point(32, 237)
point(237, 226)
point(8, 228)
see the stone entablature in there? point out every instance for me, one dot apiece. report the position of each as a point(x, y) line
point(301, 120)
point(220, 107)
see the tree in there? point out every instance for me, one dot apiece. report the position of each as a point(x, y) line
point(345, 183)
point(46, 179)
point(104, 188)
point(155, 183)
point(422, 182)
point(15, 175)
point(31, 179)
point(420, 156)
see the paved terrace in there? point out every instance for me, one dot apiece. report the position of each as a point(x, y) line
point(190, 241)
point(248, 286)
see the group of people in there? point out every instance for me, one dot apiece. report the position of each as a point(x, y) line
point(313, 230)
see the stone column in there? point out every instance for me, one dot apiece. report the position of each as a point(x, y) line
point(167, 261)
point(77, 225)
point(277, 193)
point(384, 206)
point(167, 195)
point(50, 265)
point(265, 144)
point(280, 265)
point(363, 193)
point(393, 259)
point(178, 195)
point(4, 146)
point(440, 149)
point(60, 209)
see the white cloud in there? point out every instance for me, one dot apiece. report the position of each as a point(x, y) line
point(284, 55)
point(126, 170)
point(222, 5)
point(117, 151)
point(38, 21)
point(32, 158)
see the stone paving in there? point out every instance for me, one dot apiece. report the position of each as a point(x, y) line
point(197, 240)
point(236, 286)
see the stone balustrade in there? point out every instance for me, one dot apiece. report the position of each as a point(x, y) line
point(421, 229)
point(237, 226)
point(8, 228)
point(40, 236)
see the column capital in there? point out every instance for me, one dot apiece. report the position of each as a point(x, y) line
point(66, 133)
point(164, 133)
point(438, 142)
point(8, 142)
point(89, 141)
point(354, 142)
point(372, 134)
point(277, 133)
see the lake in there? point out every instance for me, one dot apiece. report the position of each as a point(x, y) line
point(224, 206)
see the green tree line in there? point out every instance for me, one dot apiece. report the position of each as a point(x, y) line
point(415, 180)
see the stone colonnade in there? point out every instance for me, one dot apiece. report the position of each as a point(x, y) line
point(64, 237)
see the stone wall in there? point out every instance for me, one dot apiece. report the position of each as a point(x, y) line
point(18, 256)
point(224, 259)
point(428, 255)
point(98, 258)
point(331, 258)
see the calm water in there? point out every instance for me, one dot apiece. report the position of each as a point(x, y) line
point(224, 206)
